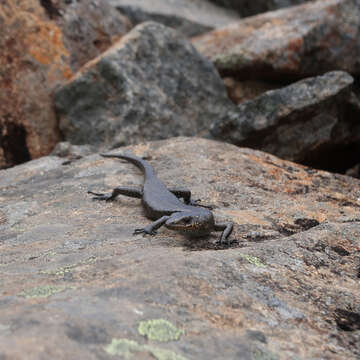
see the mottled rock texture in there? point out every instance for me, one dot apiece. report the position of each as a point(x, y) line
point(150, 85)
point(76, 284)
point(295, 42)
point(308, 121)
point(89, 28)
point(33, 58)
point(42, 43)
point(190, 17)
point(251, 7)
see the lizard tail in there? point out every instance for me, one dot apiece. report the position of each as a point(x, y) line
point(137, 161)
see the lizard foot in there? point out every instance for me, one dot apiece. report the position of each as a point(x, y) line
point(99, 196)
point(226, 243)
point(145, 230)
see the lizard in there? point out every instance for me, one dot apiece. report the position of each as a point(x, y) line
point(163, 205)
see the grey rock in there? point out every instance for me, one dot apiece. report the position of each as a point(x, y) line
point(300, 122)
point(67, 150)
point(150, 85)
point(190, 17)
point(251, 300)
point(300, 41)
point(89, 27)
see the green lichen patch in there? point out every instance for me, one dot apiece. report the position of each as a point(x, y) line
point(43, 291)
point(130, 349)
point(159, 330)
point(123, 347)
point(253, 260)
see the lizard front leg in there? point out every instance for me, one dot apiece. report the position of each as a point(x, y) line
point(226, 229)
point(122, 190)
point(151, 229)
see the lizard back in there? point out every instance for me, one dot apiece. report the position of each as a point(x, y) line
point(157, 199)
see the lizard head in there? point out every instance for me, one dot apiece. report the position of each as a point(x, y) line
point(199, 223)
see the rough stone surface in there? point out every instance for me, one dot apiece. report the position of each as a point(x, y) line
point(251, 7)
point(150, 85)
point(76, 284)
point(190, 17)
point(72, 152)
point(300, 41)
point(89, 27)
point(305, 121)
point(42, 43)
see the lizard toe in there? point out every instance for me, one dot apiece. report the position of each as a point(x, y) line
point(144, 231)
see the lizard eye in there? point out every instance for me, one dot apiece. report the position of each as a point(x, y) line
point(187, 221)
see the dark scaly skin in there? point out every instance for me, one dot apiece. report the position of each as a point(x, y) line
point(163, 205)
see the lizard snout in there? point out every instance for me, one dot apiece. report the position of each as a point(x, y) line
point(192, 224)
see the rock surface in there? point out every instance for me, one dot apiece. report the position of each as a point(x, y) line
point(300, 41)
point(302, 122)
point(149, 85)
point(89, 28)
point(250, 7)
point(32, 51)
point(190, 17)
point(72, 152)
point(76, 284)
point(42, 44)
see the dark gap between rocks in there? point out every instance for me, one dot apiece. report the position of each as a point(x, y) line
point(264, 72)
point(340, 250)
point(306, 224)
point(50, 9)
point(347, 320)
point(13, 143)
point(337, 159)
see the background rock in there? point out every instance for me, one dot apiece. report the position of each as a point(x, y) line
point(190, 17)
point(43, 43)
point(249, 7)
point(89, 28)
point(72, 152)
point(306, 122)
point(300, 41)
point(77, 284)
point(33, 59)
point(150, 85)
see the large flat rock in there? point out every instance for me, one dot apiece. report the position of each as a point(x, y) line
point(303, 40)
point(75, 282)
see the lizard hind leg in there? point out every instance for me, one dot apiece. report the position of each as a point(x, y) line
point(126, 191)
point(186, 195)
